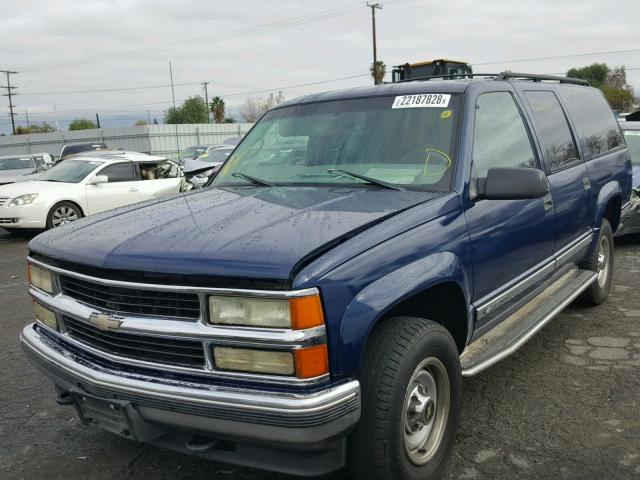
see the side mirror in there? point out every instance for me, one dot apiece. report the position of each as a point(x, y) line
point(509, 183)
point(98, 179)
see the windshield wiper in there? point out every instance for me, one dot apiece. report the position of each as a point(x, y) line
point(254, 180)
point(373, 181)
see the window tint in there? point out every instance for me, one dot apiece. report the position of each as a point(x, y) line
point(119, 172)
point(500, 138)
point(593, 116)
point(554, 132)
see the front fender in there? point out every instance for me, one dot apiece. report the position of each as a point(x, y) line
point(372, 303)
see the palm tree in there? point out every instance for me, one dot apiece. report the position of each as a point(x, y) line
point(217, 108)
point(378, 72)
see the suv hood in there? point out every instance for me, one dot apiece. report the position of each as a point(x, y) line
point(244, 232)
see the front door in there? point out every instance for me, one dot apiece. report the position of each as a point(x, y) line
point(511, 240)
point(121, 189)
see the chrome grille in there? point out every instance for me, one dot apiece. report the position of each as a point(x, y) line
point(171, 351)
point(3, 200)
point(132, 300)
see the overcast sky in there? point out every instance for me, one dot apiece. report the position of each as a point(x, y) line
point(243, 46)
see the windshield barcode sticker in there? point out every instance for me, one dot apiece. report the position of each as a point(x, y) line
point(438, 100)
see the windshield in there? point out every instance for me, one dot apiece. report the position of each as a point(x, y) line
point(192, 152)
point(633, 142)
point(70, 171)
point(15, 163)
point(215, 156)
point(405, 141)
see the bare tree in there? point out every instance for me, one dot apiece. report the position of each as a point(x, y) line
point(255, 107)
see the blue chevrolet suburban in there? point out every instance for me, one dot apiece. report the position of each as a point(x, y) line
point(361, 251)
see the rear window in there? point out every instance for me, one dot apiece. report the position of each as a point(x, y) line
point(594, 119)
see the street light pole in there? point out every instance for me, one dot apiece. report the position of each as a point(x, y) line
point(373, 7)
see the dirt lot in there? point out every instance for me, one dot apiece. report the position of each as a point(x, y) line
point(566, 406)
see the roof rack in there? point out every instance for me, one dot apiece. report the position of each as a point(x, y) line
point(503, 76)
point(539, 78)
point(452, 76)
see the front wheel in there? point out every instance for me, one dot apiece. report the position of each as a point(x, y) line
point(410, 402)
point(63, 213)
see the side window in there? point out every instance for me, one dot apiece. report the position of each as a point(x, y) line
point(500, 138)
point(594, 118)
point(119, 172)
point(559, 147)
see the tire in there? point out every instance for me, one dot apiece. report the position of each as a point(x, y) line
point(598, 291)
point(63, 213)
point(406, 357)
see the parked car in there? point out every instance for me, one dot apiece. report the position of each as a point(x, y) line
point(198, 171)
point(75, 148)
point(12, 167)
point(190, 153)
point(359, 252)
point(630, 223)
point(86, 185)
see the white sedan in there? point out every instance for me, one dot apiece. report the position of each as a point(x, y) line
point(84, 185)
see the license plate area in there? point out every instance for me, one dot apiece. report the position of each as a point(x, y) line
point(108, 414)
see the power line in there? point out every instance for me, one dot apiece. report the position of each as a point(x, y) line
point(557, 57)
point(10, 94)
point(107, 90)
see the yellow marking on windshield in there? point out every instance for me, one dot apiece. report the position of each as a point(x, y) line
point(428, 151)
point(445, 114)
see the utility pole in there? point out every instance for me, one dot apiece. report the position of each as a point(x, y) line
point(206, 99)
point(97, 120)
point(173, 95)
point(373, 7)
point(10, 94)
point(26, 114)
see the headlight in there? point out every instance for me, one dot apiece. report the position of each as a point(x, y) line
point(295, 313)
point(45, 316)
point(302, 362)
point(23, 200)
point(206, 173)
point(40, 278)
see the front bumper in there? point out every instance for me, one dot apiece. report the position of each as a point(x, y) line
point(26, 216)
point(270, 429)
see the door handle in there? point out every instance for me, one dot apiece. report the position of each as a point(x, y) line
point(586, 183)
point(547, 201)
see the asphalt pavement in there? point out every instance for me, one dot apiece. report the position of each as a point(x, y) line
point(565, 406)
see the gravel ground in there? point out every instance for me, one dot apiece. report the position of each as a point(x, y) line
point(566, 406)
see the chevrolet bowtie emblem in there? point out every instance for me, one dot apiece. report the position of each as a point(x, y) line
point(104, 321)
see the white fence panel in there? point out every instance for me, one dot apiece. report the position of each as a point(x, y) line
point(164, 140)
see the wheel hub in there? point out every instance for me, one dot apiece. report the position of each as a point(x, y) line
point(426, 410)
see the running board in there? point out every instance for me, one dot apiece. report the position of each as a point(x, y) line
point(510, 334)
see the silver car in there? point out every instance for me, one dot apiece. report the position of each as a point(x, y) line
point(13, 167)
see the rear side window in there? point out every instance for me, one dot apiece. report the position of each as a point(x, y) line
point(557, 141)
point(119, 172)
point(500, 137)
point(594, 118)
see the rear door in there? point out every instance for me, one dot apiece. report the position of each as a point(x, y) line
point(122, 188)
point(511, 240)
point(568, 175)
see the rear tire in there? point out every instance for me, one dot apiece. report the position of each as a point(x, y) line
point(600, 261)
point(63, 213)
point(410, 402)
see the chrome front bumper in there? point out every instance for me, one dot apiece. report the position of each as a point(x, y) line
point(176, 403)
